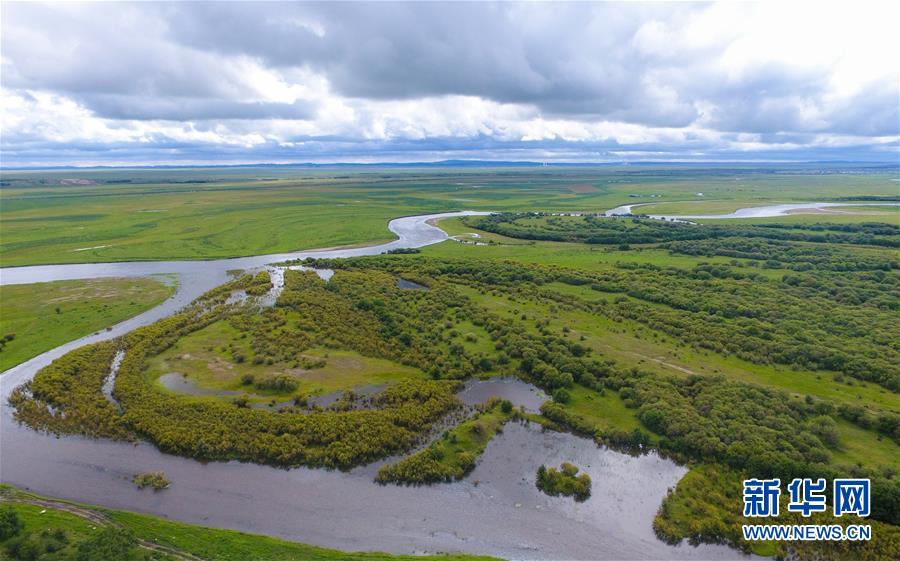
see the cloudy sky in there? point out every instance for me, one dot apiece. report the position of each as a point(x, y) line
point(135, 83)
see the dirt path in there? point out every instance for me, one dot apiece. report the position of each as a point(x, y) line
point(670, 365)
point(101, 519)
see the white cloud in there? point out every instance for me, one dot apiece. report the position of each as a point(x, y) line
point(574, 78)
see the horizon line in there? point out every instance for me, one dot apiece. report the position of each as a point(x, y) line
point(449, 163)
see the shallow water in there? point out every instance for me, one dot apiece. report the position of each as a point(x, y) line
point(324, 274)
point(327, 399)
point(110, 381)
point(517, 391)
point(410, 285)
point(178, 383)
point(496, 510)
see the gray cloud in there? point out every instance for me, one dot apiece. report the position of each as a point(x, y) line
point(583, 63)
point(565, 59)
point(36, 151)
point(188, 109)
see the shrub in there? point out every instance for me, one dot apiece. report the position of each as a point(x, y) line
point(109, 543)
point(10, 525)
point(154, 479)
point(280, 383)
point(565, 481)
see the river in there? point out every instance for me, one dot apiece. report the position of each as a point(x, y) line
point(496, 510)
point(765, 211)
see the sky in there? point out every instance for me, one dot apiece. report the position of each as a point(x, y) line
point(236, 83)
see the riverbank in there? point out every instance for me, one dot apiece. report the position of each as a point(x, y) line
point(182, 542)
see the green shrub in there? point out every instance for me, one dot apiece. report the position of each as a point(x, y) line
point(565, 481)
point(10, 525)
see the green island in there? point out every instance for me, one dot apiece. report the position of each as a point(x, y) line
point(34, 527)
point(564, 481)
point(42, 316)
point(763, 347)
point(155, 480)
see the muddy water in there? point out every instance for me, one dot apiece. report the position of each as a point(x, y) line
point(497, 510)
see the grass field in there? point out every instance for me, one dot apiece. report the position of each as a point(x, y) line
point(200, 356)
point(203, 213)
point(862, 447)
point(631, 344)
point(202, 359)
point(45, 315)
point(205, 543)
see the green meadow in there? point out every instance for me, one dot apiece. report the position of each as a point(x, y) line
point(42, 316)
point(201, 358)
point(71, 216)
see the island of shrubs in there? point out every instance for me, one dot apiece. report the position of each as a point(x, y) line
point(156, 480)
point(565, 481)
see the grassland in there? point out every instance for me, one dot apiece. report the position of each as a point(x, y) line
point(861, 447)
point(602, 411)
point(45, 315)
point(176, 540)
point(202, 358)
point(120, 215)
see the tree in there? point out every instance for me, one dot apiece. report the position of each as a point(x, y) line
point(542, 476)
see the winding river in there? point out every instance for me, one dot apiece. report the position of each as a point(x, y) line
point(497, 510)
point(765, 211)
